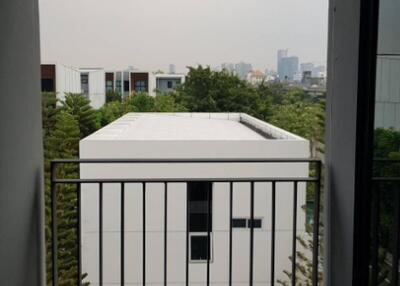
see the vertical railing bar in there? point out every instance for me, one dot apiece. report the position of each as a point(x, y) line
point(396, 237)
point(165, 231)
point(316, 219)
point(294, 234)
point(375, 236)
point(208, 231)
point(230, 230)
point(251, 232)
point(101, 234)
point(79, 233)
point(144, 232)
point(54, 233)
point(122, 234)
point(273, 221)
point(187, 235)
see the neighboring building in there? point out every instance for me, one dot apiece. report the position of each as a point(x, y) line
point(128, 81)
point(256, 77)
point(280, 55)
point(93, 82)
point(190, 136)
point(242, 69)
point(172, 69)
point(140, 81)
point(304, 67)
point(387, 106)
point(123, 82)
point(288, 68)
point(110, 81)
point(306, 78)
point(60, 79)
point(168, 82)
point(228, 67)
point(63, 79)
point(316, 71)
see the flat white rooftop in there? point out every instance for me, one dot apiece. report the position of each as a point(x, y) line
point(190, 126)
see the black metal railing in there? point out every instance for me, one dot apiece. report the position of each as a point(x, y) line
point(385, 233)
point(314, 180)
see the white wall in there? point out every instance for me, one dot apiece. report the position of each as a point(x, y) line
point(387, 105)
point(177, 211)
point(68, 80)
point(97, 86)
point(387, 108)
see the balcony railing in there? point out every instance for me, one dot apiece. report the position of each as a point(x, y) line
point(311, 181)
point(384, 266)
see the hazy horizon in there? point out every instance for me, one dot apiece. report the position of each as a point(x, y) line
point(151, 34)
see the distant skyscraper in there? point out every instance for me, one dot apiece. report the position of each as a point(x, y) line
point(228, 67)
point(289, 67)
point(172, 68)
point(242, 69)
point(306, 67)
point(281, 54)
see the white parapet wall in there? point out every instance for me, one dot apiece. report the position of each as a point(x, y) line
point(189, 136)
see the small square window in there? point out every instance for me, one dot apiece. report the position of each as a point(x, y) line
point(257, 223)
point(199, 247)
point(169, 84)
point(239, 222)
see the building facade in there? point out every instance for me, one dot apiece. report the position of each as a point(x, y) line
point(93, 82)
point(60, 79)
point(190, 136)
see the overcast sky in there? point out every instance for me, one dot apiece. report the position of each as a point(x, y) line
point(151, 34)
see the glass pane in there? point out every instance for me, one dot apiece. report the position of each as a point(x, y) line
point(385, 192)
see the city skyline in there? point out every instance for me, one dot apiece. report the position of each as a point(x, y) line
point(186, 36)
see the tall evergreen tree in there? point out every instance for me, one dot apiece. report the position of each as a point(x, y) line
point(79, 107)
point(63, 143)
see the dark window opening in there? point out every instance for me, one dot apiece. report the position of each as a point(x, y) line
point(239, 223)
point(126, 85)
point(109, 85)
point(141, 86)
point(198, 194)
point(169, 84)
point(257, 223)
point(48, 85)
point(199, 247)
point(199, 203)
point(246, 223)
point(118, 84)
point(85, 83)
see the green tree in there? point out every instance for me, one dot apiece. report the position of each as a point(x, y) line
point(140, 102)
point(219, 91)
point(303, 119)
point(112, 96)
point(110, 112)
point(79, 107)
point(167, 103)
point(63, 143)
point(49, 112)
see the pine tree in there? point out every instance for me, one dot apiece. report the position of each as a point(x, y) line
point(79, 107)
point(63, 143)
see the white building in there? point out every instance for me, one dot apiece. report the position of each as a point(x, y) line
point(93, 85)
point(256, 77)
point(189, 136)
point(168, 82)
point(60, 79)
point(387, 107)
